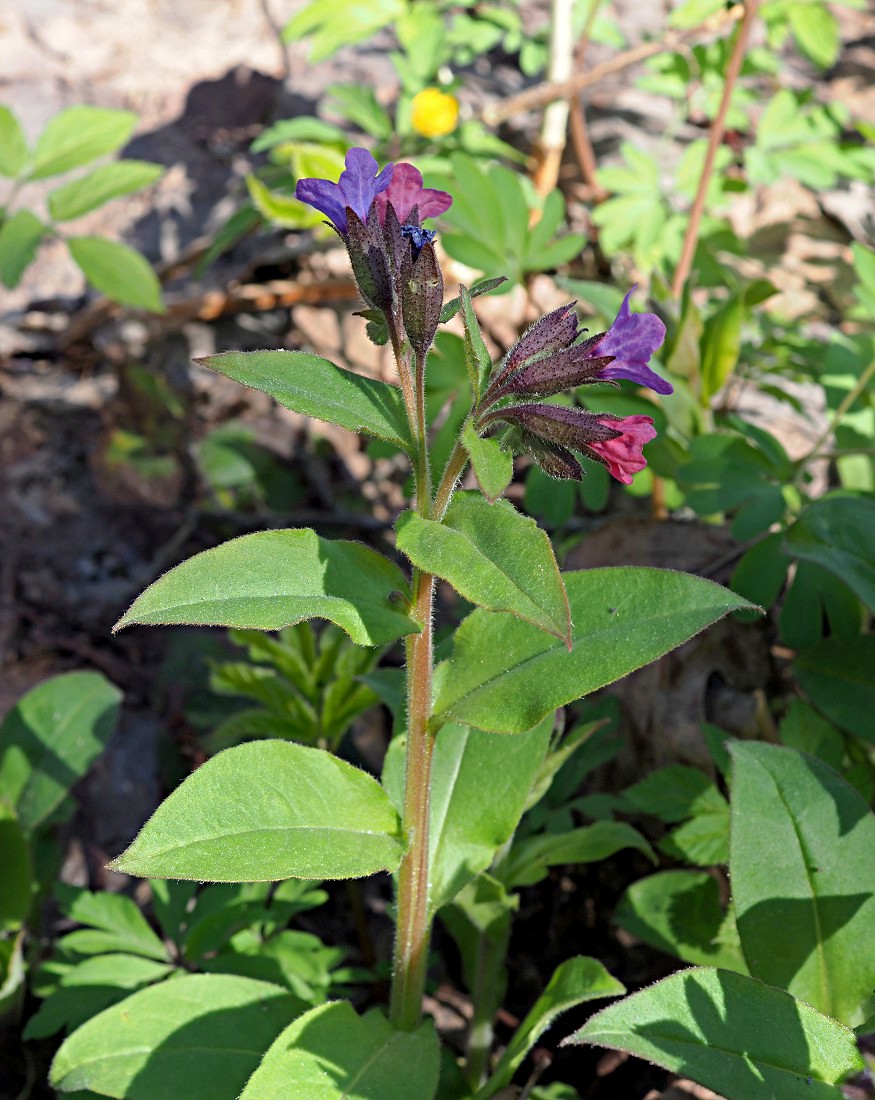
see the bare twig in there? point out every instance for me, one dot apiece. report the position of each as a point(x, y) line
point(554, 129)
point(583, 149)
point(715, 137)
point(542, 94)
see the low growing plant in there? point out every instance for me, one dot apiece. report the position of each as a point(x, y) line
point(478, 744)
point(75, 138)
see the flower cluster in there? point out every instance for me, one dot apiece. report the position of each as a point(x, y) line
point(550, 358)
point(378, 214)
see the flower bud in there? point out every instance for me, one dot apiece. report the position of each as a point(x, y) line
point(422, 296)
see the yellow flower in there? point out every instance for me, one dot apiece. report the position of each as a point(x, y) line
point(434, 113)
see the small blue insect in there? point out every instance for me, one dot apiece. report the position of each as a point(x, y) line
point(417, 237)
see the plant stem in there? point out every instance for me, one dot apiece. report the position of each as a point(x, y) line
point(413, 929)
point(715, 137)
point(413, 923)
point(551, 143)
point(834, 421)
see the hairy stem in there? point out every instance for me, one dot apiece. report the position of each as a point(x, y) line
point(715, 137)
point(413, 924)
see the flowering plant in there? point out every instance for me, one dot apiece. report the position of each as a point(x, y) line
point(478, 730)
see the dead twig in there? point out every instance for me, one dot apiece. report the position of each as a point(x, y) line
point(715, 137)
point(542, 94)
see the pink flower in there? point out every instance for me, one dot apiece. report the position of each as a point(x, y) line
point(406, 191)
point(622, 454)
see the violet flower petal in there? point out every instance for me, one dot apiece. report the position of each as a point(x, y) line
point(357, 187)
point(632, 339)
point(362, 181)
point(325, 197)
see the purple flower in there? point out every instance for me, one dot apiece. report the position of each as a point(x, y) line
point(632, 339)
point(357, 188)
point(406, 192)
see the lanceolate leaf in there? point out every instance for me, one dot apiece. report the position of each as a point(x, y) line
point(506, 675)
point(72, 200)
point(529, 858)
point(330, 1053)
point(200, 1036)
point(273, 579)
point(119, 272)
point(79, 135)
point(575, 981)
point(269, 810)
point(50, 739)
point(480, 783)
point(803, 878)
point(494, 557)
point(315, 386)
point(731, 1033)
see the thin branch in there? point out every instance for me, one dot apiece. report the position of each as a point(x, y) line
point(715, 137)
point(542, 94)
point(554, 128)
point(583, 149)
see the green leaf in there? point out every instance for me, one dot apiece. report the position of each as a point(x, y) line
point(506, 675)
point(200, 1036)
point(314, 386)
point(803, 728)
point(816, 32)
point(835, 532)
point(91, 987)
point(721, 345)
point(273, 579)
point(13, 144)
point(269, 810)
point(331, 1053)
point(77, 136)
point(115, 923)
point(50, 738)
point(110, 181)
point(574, 982)
point(671, 794)
point(704, 839)
point(679, 912)
point(732, 1034)
point(530, 858)
point(12, 974)
point(494, 557)
point(20, 236)
point(492, 464)
point(477, 357)
point(837, 677)
point(330, 24)
point(803, 878)
point(479, 787)
point(17, 875)
point(119, 272)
